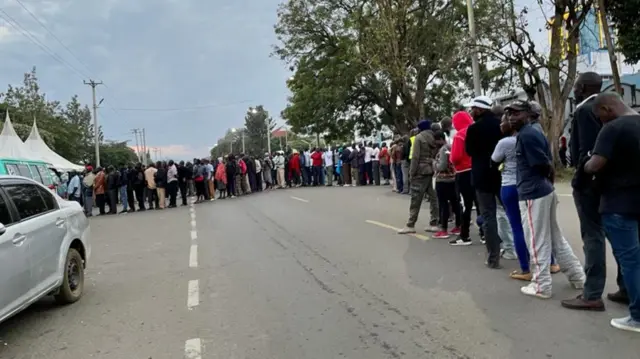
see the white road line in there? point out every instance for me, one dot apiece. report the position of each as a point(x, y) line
point(193, 224)
point(300, 199)
point(193, 256)
point(193, 299)
point(564, 195)
point(384, 225)
point(193, 215)
point(194, 235)
point(193, 349)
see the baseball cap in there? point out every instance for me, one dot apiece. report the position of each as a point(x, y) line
point(481, 102)
point(520, 106)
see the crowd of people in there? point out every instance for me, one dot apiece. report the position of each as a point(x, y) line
point(495, 159)
point(500, 159)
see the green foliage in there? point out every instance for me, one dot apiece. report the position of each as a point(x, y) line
point(362, 64)
point(257, 125)
point(65, 129)
point(115, 154)
point(624, 16)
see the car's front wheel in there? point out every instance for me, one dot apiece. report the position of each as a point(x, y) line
point(73, 279)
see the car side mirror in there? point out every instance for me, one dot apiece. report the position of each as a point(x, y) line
point(2, 229)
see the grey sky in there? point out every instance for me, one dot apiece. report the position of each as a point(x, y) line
point(154, 54)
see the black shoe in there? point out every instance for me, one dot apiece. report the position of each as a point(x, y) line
point(460, 242)
point(495, 265)
point(619, 297)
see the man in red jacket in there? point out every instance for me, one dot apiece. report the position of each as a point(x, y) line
point(462, 164)
point(316, 161)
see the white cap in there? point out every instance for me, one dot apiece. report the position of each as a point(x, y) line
point(481, 102)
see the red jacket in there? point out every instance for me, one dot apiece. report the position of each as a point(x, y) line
point(316, 158)
point(459, 158)
point(243, 167)
point(294, 163)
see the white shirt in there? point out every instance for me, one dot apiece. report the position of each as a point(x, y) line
point(328, 158)
point(307, 159)
point(376, 154)
point(368, 152)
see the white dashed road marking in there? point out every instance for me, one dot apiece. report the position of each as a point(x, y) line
point(300, 199)
point(193, 299)
point(384, 225)
point(193, 349)
point(193, 256)
point(194, 234)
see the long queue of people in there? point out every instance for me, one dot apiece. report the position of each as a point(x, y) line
point(500, 159)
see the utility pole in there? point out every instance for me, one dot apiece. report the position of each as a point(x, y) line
point(268, 134)
point(144, 147)
point(96, 129)
point(604, 22)
point(243, 149)
point(135, 132)
point(155, 152)
point(477, 88)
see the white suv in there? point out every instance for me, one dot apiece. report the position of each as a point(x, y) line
point(44, 245)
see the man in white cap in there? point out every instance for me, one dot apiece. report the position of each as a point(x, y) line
point(482, 137)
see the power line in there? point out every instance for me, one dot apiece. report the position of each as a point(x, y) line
point(53, 35)
point(26, 33)
point(193, 108)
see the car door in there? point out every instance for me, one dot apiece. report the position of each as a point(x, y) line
point(15, 268)
point(44, 227)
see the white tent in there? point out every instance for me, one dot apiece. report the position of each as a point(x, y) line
point(11, 146)
point(36, 145)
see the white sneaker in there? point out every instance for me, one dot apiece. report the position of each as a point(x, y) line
point(407, 230)
point(577, 284)
point(508, 255)
point(626, 323)
point(531, 290)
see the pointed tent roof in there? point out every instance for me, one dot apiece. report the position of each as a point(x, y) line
point(36, 145)
point(11, 146)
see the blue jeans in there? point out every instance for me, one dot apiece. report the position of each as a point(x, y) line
point(509, 196)
point(397, 167)
point(123, 198)
point(622, 232)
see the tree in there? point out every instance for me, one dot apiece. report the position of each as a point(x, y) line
point(624, 16)
point(258, 126)
point(547, 77)
point(113, 153)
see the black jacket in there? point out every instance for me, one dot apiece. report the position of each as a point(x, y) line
point(161, 178)
point(585, 127)
point(184, 174)
point(482, 138)
point(131, 177)
point(345, 156)
point(113, 180)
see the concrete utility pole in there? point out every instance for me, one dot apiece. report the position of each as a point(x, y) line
point(477, 88)
point(268, 135)
point(135, 132)
point(155, 152)
point(144, 148)
point(610, 48)
point(243, 149)
point(96, 129)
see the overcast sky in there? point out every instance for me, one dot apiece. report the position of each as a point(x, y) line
point(152, 54)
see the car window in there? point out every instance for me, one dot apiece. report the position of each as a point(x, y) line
point(35, 174)
point(23, 170)
point(49, 201)
point(12, 169)
point(27, 199)
point(45, 174)
point(5, 215)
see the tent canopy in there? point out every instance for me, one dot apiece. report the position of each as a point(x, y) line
point(36, 145)
point(11, 146)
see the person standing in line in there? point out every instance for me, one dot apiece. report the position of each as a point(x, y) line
point(504, 155)
point(231, 169)
point(355, 170)
point(161, 184)
point(211, 190)
point(328, 166)
point(538, 205)
point(113, 184)
point(74, 190)
point(368, 164)
point(316, 162)
point(100, 190)
point(172, 184)
point(406, 161)
point(258, 167)
point(421, 172)
point(345, 157)
point(131, 179)
point(362, 166)
point(385, 162)
point(585, 127)
point(307, 169)
point(140, 186)
point(88, 183)
point(396, 157)
point(122, 188)
point(375, 164)
point(462, 163)
point(221, 178)
point(183, 178)
point(278, 162)
point(482, 137)
point(266, 171)
point(616, 164)
point(448, 197)
point(151, 189)
point(294, 169)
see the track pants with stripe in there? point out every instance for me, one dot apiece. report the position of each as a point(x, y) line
point(544, 237)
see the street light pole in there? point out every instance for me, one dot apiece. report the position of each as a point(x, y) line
point(477, 88)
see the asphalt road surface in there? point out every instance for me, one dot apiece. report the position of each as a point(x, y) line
point(306, 273)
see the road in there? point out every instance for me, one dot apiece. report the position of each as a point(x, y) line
point(304, 273)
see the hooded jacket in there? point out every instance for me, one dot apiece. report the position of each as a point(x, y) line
point(482, 138)
point(459, 157)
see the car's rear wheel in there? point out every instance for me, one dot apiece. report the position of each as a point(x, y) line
point(73, 279)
